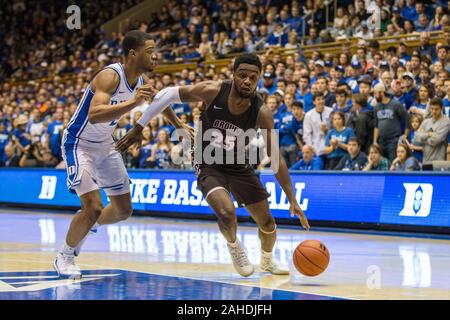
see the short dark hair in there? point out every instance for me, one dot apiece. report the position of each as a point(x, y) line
point(318, 95)
point(360, 99)
point(306, 77)
point(342, 92)
point(133, 40)
point(248, 58)
point(297, 104)
point(436, 102)
point(354, 139)
point(322, 78)
point(291, 82)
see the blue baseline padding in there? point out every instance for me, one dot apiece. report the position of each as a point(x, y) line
point(419, 199)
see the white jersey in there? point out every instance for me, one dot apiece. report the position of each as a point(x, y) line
point(79, 126)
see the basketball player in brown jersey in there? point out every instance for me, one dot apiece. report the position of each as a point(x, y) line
point(231, 108)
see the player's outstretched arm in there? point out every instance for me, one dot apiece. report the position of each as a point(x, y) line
point(265, 121)
point(104, 85)
point(204, 91)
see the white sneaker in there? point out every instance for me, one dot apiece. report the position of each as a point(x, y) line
point(65, 266)
point(268, 263)
point(240, 260)
point(79, 245)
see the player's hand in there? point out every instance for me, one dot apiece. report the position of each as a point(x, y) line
point(145, 93)
point(132, 138)
point(296, 210)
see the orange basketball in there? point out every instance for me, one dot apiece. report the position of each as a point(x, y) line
point(311, 258)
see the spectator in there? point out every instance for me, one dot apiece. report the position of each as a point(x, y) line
point(336, 140)
point(389, 115)
point(404, 160)
point(288, 142)
point(4, 141)
point(269, 82)
point(355, 160)
point(309, 160)
point(365, 32)
point(343, 103)
point(409, 90)
point(416, 148)
point(442, 57)
point(278, 37)
point(322, 87)
point(421, 105)
point(313, 37)
point(376, 162)
point(143, 154)
point(362, 121)
point(36, 126)
point(292, 42)
point(54, 131)
point(424, 24)
point(315, 125)
point(11, 159)
point(297, 122)
point(20, 137)
point(409, 11)
point(425, 47)
point(161, 150)
point(433, 133)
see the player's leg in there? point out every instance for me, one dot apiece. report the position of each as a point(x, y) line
point(83, 221)
point(111, 175)
point(91, 207)
point(260, 212)
point(267, 232)
point(113, 178)
point(250, 193)
point(220, 201)
point(213, 185)
point(119, 209)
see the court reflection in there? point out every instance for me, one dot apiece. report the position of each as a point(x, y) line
point(193, 246)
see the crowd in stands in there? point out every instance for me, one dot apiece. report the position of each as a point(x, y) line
point(372, 110)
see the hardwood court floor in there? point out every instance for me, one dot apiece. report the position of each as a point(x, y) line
point(150, 258)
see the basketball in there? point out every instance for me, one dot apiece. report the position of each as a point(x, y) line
point(311, 258)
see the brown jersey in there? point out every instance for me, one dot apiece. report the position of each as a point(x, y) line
point(225, 135)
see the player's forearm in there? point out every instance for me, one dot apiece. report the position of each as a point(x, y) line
point(284, 179)
point(107, 113)
point(164, 98)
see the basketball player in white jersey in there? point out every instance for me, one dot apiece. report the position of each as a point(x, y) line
point(89, 150)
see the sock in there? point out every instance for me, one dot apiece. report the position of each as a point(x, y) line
point(235, 244)
point(67, 250)
point(266, 254)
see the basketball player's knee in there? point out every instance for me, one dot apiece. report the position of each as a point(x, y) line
point(92, 212)
point(268, 225)
point(227, 215)
point(124, 213)
point(92, 208)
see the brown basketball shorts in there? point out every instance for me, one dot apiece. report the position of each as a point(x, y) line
point(243, 183)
